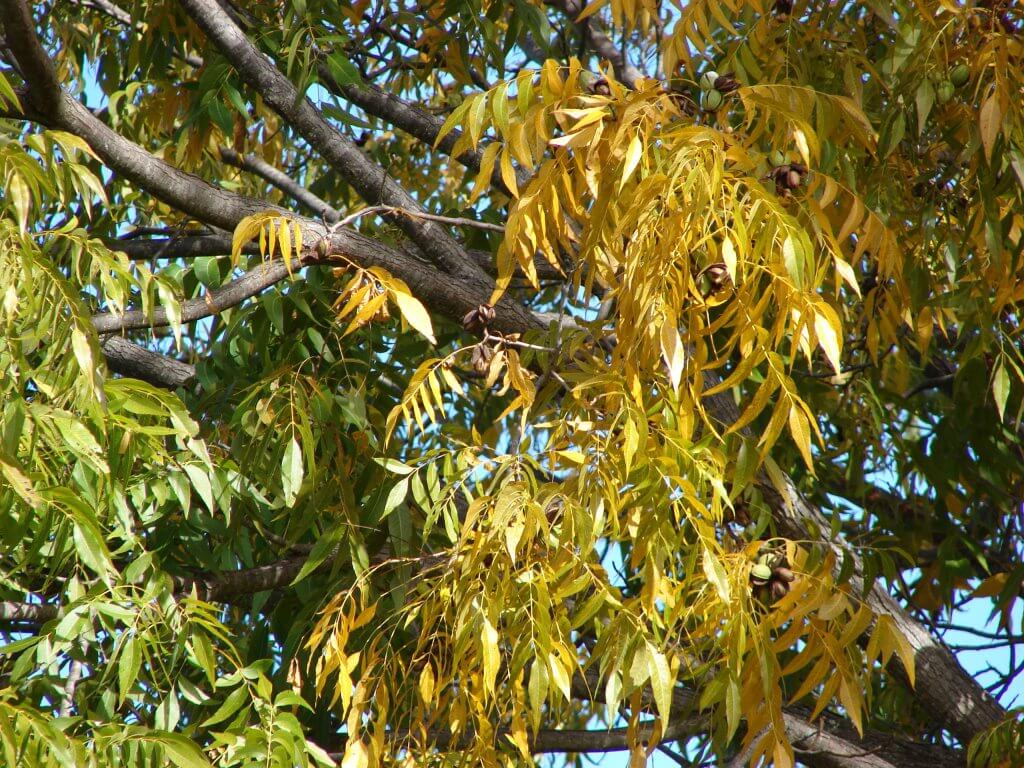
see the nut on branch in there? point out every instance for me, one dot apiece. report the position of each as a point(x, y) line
point(478, 318)
point(788, 177)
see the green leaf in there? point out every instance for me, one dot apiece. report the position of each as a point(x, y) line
point(229, 706)
point(343, 70)
point(128, 663)
point(183, 752)
point(292, 471)
point(201, 482)
point(1001, 389)
point(325, 546)
point(89, 545)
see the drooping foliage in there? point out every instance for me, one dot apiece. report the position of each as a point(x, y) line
point(426, 385)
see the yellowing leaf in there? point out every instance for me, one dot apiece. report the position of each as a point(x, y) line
point(1001, 389)
point(715, 573)
point(801, 433)
point(18, 481)
point(800, 139)
point(412, 309)
point(729, 258)
point(356, 755)
point(633, 155)
point(672, 352)
point(989, 122)
point(492, 656)
point(828, 329)
point(250, 227)
point(590, 9)
point(662, 682)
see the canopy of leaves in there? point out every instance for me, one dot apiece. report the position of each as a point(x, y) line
point(460, 382)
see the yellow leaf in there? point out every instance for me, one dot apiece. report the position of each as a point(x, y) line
point(672, 351)
point(482, 183)
point(19, 482)
point(492, 656)
point(633, 155)
point(247, 229)
point(285, 236)
point(508, 174)
point(800, 139)
point(506, 264)
point(630, 441)
point(427, 683)
point(590, 9)
point(853, 702)
point(989, 122)
point(992, 586)
point(662, 682)
point(828, 330)
point(801, 433)
point(847, 274)
point(905, 652)
point(411, 308)
point(558, 675)
point(715, 573)
point(729, 258)
point(356, 755)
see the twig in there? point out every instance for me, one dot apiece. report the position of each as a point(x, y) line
point(74, 675)
point(456, 220)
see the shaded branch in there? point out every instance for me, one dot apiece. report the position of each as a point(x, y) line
point(130, 359)
point(31, 613)
point(834, 741)
point(178, 247)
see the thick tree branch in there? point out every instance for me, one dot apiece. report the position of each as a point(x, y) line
point(831, 742)
point(943, 687)
point(368, 179)
point(129, 359)
point(178, 247)
point(414, 121)
point(224, 209)
point(31, 613)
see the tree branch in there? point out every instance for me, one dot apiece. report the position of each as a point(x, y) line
point(282, 181)
point(414, 121)
point(253, 282)
point(834, 741)
point(599, 42)
point(178, 247)
point(129, 359)
point(368, 179)
point(31, 613)
point(445, 294)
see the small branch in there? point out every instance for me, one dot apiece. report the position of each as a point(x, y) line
point(366, 177)
point(282, 181)
point(456, 220)
point(248, 285)
point(933, 383)
point(74, 675)
point(599, 42)
point(177, 247)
